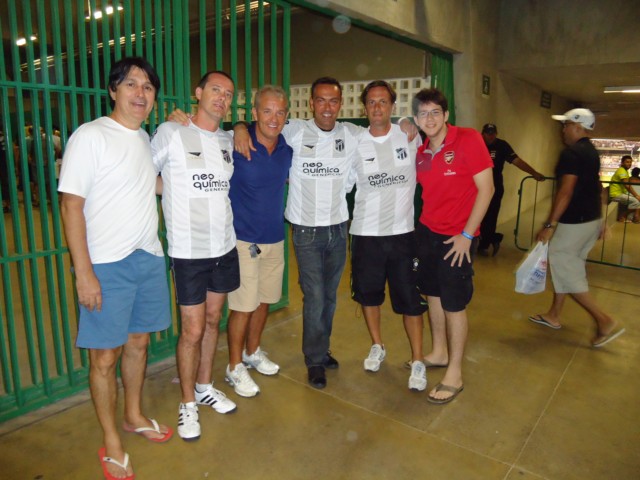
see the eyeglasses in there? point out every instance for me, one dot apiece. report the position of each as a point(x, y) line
point(429, 113)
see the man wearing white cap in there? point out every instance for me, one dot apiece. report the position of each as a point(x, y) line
point(575, 224)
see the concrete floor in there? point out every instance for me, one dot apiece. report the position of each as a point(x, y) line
point(538, 403)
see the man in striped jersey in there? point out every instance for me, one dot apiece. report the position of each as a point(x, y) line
point(196, 165)
point(383, 245)
point(323, 151)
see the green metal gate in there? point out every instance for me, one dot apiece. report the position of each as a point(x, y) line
point(54, 59)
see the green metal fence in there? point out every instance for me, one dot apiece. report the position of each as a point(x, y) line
point(54, 59)
point(52, 81)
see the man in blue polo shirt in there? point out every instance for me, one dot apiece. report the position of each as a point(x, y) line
point(257, 200)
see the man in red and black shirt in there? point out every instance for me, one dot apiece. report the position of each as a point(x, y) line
point(454, 170)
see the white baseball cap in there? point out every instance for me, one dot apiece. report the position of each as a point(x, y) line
point(583, 116)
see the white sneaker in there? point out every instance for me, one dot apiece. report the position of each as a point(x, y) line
point(241, 381)
point(215, 399)
point(188, 424)
point(375, 358)
point(260, 362)
point(418, 378)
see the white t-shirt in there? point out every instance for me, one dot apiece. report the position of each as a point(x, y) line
point(196, 167)
point(318, 175)
point(110, 166)
point(384, 173)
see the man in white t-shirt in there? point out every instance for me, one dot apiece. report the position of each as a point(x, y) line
point(196, 165)
point(383, 247)
point(108, 206)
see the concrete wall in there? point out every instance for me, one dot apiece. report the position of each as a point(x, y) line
point(469, 29)
point(317, 49)
point(435, 22)
point(576, 39)
point(570, 33)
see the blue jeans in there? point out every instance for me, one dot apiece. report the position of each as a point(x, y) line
point(321, 253)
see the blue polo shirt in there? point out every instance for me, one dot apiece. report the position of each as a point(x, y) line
point(257, 191)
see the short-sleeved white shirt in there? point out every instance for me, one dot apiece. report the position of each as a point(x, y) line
point(196, 167)
point(384, 173)
point(110, 166)
point(318, 176)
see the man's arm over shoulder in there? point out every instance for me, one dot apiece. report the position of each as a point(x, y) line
point(353, 129)
point(291, 127)
point(160, 141)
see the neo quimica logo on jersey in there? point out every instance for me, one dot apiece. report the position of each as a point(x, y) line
point(208, 182)
point(317, 169)
point(385, 180)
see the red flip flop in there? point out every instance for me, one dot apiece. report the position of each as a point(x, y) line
point(156, 428)
point(102, 455)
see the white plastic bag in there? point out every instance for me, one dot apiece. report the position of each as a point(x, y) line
point(531, 275)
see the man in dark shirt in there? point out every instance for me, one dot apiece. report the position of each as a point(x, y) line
point(575, 223)
point(501, 153)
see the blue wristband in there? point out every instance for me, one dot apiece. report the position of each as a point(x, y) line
point(466, 235)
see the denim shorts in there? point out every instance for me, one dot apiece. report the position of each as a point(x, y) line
point(135, 299)
point(193, 278)
point(436, 277)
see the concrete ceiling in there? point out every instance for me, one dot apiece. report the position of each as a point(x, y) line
point(617, 114)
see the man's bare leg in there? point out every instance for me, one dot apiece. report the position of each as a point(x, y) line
point(439, 354)
point(209, 344)
point(236, 333)
point(257, 322)
point(104, 393)
point(457, 328)
point(372, 318)
point(133, 367)
point(188, 352)
point(413, 325)
point(554, 312)
point(604, 323)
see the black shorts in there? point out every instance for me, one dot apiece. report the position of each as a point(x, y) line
point(193, 278)
point(374, 260)
point(436, 276)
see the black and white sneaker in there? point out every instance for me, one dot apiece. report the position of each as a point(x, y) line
point(215, 399)
point(188, 423)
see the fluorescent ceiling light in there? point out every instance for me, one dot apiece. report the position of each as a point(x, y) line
point(23, 41)
point(98, 13)
point(628, 89)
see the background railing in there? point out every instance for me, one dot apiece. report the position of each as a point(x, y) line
point(619, 246)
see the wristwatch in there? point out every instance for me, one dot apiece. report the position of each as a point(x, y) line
point(548, 225)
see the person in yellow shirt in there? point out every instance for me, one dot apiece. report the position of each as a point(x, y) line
point(620, 190)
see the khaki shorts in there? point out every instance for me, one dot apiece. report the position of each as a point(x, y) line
point(260, 277)
point(568, 250)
